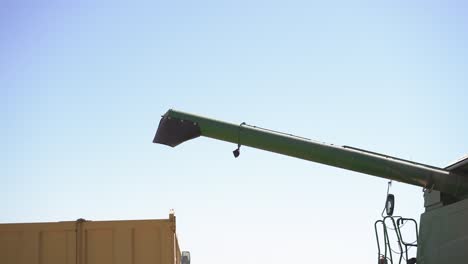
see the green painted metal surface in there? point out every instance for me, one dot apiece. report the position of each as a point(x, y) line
point(338, 156)
point(443, 235)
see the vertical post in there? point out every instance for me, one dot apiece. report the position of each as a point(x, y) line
point(79, 240)
point(172, 220)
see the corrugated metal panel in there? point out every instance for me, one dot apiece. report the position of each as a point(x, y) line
point(40, 243)
point(88, 242)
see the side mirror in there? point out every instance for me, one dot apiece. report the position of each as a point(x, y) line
point(185, 257)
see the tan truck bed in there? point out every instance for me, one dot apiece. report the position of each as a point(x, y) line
point(90, 242)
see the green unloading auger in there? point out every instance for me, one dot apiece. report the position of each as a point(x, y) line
point(176, 127)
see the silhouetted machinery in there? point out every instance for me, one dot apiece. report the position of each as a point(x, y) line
point(443, 232)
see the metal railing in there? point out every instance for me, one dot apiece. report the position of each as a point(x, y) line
point(386, 226)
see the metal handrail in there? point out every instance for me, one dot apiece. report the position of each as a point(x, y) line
point(406, 244)
point(396, 222)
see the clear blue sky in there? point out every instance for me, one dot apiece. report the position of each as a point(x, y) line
point(83, 86)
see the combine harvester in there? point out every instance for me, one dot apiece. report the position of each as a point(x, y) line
point(443, 232)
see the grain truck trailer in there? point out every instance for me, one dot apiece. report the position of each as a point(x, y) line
point(92, 242)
